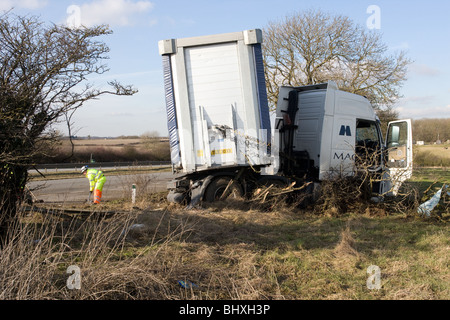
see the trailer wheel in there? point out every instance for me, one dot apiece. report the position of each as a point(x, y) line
point(215, 190)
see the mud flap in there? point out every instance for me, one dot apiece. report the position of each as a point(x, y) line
point(198, 190)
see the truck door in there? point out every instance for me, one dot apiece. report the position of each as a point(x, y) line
point(399, 157)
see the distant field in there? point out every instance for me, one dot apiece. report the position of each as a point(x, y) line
point(111, 142)
point(442, 150)
point(432, 155)
point(112, 150)
point(117, 143)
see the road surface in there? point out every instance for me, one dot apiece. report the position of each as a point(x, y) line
point(119, 186)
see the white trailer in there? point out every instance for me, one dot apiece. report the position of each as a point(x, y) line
point(216, 101)
point(220, 130)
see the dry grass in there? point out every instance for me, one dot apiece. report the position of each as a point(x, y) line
point(34, 263)
point(228, 253)
point(111, 150)
point(432, 155)
point(442, 150)
point(236, 249)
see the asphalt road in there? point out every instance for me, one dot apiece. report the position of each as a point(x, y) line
point(77, 190)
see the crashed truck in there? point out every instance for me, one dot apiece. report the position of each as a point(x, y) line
point(224, 140)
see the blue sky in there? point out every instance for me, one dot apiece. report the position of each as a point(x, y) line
point(422, 28)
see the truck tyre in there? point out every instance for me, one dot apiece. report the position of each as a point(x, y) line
point(176, 197)
point(216, 188)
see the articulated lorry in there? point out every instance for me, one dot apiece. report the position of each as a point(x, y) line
point(224, 140)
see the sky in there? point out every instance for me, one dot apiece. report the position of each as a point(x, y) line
point(421, 28)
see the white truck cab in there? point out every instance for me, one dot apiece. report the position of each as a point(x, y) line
point(338, 133)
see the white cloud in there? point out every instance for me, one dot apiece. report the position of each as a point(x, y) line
point(113, 12)
point(424, 112)
point(22, 4)
point(401, 46)
point(423, 70)
point(120, 114)
point(417, 100)
point(425, 106)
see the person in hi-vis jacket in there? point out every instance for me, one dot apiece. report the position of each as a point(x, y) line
point(96, 182)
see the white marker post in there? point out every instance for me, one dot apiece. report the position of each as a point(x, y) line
point(133, 194)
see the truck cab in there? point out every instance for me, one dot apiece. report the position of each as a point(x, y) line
point(325, 132)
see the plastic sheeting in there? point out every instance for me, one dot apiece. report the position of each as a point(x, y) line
point(428, 206)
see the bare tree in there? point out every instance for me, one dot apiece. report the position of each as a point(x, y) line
point(314, 47)
point(43, 77)
point(432, 130)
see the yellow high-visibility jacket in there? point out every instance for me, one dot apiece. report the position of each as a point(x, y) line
point(94, 176)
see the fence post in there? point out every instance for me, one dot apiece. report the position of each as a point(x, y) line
point(133, 194)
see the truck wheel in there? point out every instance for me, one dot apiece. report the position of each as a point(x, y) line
point(176, 197)
point(217, 187)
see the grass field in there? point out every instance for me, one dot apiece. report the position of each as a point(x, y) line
point(432, 155)
point(231, 250)
point(442, 150)
point(111, 150)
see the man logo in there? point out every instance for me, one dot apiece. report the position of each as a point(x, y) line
point(345, 131)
